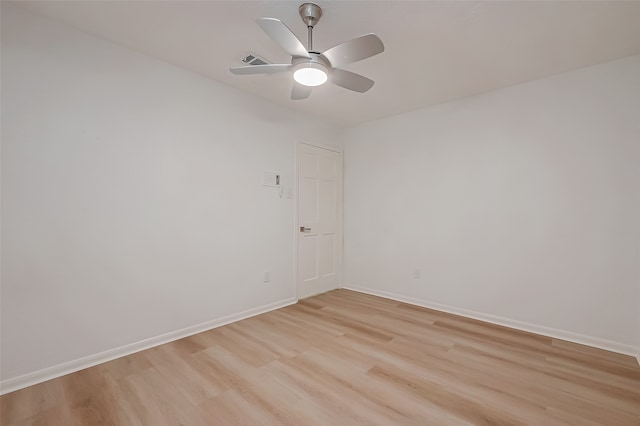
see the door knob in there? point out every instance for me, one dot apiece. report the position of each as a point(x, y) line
point(303, 229)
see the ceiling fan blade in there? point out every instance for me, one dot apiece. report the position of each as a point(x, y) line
point(354, 50)
point(283, 37)
point(350, 80)
point(260, 69)
point(300, 91)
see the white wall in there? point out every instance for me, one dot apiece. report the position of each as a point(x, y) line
point(522, 203)
point(132, 198)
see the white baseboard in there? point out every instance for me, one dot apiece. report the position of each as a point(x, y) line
point(519, 325)
point(15, 383)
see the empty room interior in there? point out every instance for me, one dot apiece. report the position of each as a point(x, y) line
point(328, 213)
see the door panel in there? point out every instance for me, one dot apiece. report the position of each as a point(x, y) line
point(327, 168)
point(308, 258)
point(327, 256)
point(320, 213)
point(309, 203)
point(327, 202)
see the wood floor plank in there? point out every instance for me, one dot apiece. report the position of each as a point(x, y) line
point(345, 358)
point(231, 408)
point(31, 401)
point(56, 416)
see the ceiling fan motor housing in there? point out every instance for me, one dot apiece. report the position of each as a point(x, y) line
point(316, 61)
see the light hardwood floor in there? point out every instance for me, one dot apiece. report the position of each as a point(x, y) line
point(344, 358)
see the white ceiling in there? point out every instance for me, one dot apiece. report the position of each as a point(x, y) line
point(435, 51)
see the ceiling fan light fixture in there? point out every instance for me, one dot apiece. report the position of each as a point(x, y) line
point(310, 74)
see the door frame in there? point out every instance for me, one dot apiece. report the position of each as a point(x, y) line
point(296, 228)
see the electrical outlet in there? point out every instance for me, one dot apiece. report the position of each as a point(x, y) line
point(417, 273)
point(267, 277)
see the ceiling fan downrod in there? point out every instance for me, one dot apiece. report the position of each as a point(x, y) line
point(310, 14)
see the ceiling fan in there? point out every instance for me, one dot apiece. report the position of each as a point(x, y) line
point(311, 68)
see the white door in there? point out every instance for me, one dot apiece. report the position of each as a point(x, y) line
point(319, 220)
